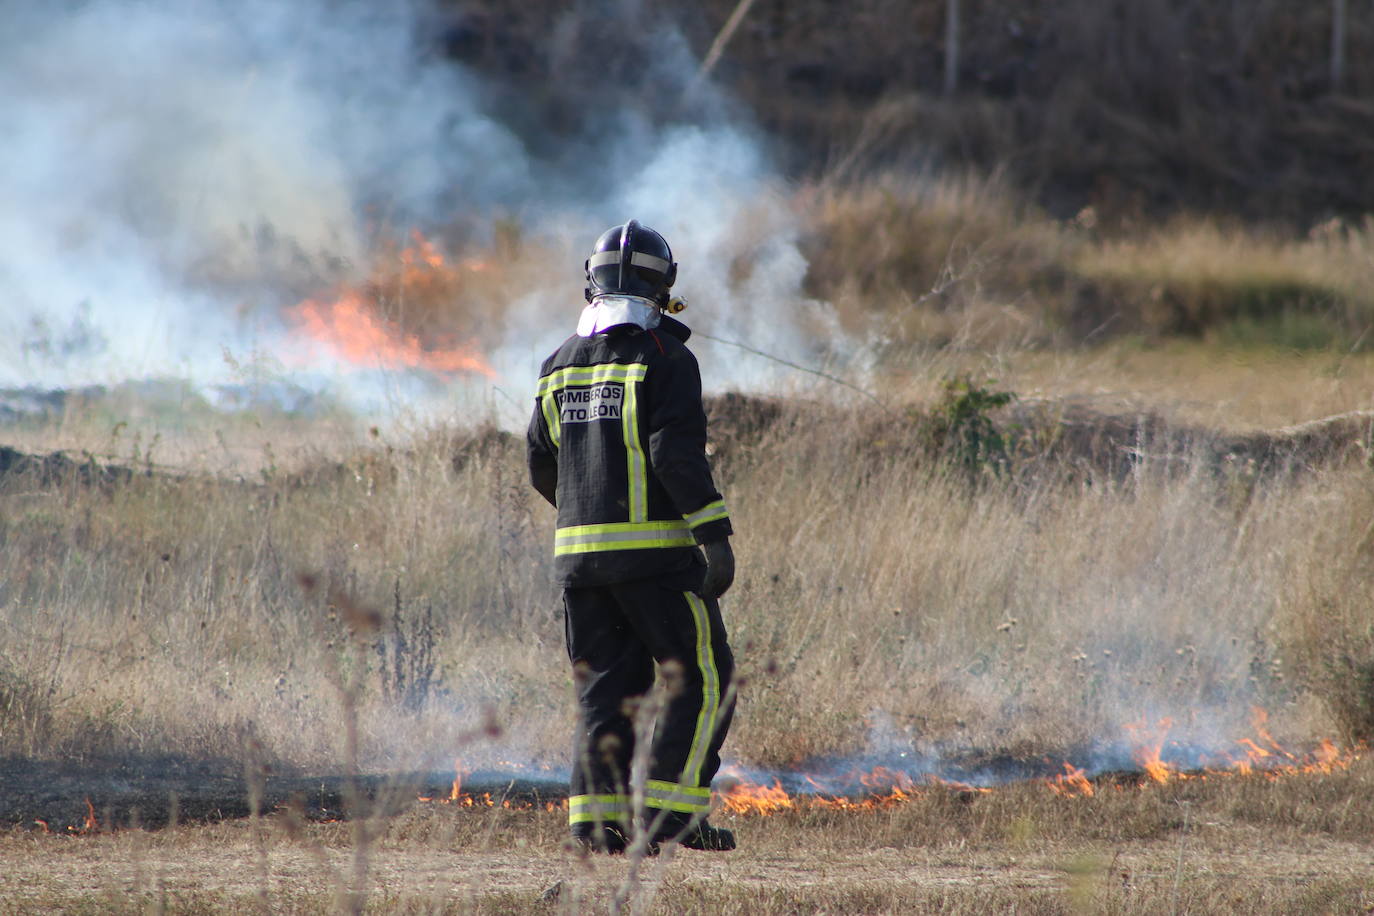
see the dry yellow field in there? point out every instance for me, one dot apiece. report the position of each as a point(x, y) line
point(890, 608)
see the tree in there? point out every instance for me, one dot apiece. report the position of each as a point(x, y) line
point(952, 46)
point(1337, 44)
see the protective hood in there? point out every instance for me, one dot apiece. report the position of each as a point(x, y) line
point(608, 311)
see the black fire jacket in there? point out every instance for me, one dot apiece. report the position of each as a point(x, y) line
point(618, 444)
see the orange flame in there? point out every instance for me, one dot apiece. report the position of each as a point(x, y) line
point(1262, 755)
point(458, 798)
point(350, 328)
point(889, 788)
point(1072, 783)
point(354, 325)
point(1149, 753)
point(881, 777)
point(1259, 719)
point(748, 798)
point(90, 824)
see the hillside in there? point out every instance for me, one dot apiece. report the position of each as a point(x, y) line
point(1132, 107)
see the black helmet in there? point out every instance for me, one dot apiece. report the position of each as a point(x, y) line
point(631, 260)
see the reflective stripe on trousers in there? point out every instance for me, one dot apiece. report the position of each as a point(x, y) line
point(615, 634)
point(606, 809)
point(710, 693)
point(675, 797)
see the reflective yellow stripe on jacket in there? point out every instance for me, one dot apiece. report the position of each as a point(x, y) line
point(621, 536)
point(638, 532)
point(574, 376)
point(711, 512)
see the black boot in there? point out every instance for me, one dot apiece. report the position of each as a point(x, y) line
point(698, 835)
point(608, 839)
point(711, 839)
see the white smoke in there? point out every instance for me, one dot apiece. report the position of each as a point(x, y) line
point(176, 172)
point(700, 187)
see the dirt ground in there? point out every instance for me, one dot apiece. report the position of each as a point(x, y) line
point(454, 860)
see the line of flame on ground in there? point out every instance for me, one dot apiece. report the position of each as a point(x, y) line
point(486, 801)
point(1261, 756)
point(403, 316)
point(882, 788)
point(461, 799)
point(88, 826)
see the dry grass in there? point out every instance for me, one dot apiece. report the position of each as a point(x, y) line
point(1198, 277)
point(964, 263)
point(1007, 619)
point(1293, 847)
point(883, 605)
point(1188, 382)
point(166, 614)
point(262, 589)
point(880, 600)
point(934, 260)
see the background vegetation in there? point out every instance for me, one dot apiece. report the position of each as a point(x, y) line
point(978, 574)
point(1111, 464)
point(1135, 107)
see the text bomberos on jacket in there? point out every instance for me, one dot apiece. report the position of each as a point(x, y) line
point(586, 405)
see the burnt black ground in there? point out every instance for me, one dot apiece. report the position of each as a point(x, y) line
point(152, 792)
point(155, 791)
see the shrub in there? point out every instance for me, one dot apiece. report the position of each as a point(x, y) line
point(961, 431)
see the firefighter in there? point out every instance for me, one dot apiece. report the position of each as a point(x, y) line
point(617, 444)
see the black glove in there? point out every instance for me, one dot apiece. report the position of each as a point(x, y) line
point(720, 569)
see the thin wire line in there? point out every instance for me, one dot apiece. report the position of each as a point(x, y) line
point(798, 366)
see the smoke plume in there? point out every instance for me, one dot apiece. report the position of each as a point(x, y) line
point(177, 174)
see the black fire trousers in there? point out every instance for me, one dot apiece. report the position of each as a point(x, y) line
point(615, 634)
